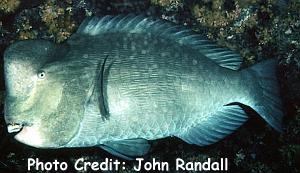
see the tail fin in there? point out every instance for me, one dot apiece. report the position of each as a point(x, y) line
point(269, 105)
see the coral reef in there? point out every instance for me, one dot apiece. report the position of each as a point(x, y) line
point(248, 22)
point(9, 5)
point(214, 15)
point(26, 30)
point(58, 19)
point(165, 3)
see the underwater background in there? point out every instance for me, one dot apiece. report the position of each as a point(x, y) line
point(257, 29)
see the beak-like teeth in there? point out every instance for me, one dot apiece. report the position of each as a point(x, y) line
point(12, 128)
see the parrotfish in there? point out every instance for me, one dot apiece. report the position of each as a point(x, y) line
point(121, 81)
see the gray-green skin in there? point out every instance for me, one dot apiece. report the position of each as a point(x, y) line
point(152, 87)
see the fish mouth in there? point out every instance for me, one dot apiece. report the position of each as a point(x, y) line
point(16, 127)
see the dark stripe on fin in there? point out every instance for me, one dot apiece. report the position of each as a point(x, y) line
point(98, 83)
point(161, 28)
point(215, 127)
point(103, 107)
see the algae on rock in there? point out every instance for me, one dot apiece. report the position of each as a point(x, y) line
point(9, 6)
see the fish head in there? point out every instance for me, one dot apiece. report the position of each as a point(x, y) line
point(33, 96)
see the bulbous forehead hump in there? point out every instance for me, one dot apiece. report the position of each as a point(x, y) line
point(22, 60)
point(29, 50)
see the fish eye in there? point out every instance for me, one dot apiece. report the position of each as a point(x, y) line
point(41, 74)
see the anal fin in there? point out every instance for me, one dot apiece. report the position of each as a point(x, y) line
point(216, 127)
point(127, 149)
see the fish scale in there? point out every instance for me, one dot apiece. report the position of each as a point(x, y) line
point(137, 85)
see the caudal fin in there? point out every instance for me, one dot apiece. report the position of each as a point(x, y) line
point(269, 104)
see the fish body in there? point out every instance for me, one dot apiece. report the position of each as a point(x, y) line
point(152, 91)
point(121, 81)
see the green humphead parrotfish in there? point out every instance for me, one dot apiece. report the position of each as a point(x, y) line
point(120, 81)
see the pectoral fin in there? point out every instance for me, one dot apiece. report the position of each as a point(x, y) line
point(127, 149)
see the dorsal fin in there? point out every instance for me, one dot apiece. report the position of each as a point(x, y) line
point(149, 25)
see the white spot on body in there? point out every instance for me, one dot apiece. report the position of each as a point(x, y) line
point(85, 56)
point(164, 54)
point(195, 62)
point(133, 47)
point(146, 42)
point(154, 66)
point(131, 57)
point(125, 46)
point(144, 51)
